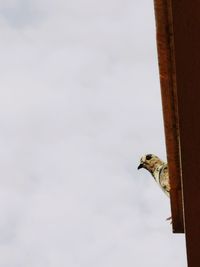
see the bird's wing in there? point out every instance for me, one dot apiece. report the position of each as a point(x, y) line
point(164, 179)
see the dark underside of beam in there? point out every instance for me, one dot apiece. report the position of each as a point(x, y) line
point(186, 24)
point(178, 37)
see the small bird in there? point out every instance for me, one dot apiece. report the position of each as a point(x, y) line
point(158, 169)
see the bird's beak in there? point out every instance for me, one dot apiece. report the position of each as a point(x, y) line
point(140, 166)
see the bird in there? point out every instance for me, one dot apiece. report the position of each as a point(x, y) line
point(159, 171)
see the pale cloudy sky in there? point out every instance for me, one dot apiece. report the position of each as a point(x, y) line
point(79, 105)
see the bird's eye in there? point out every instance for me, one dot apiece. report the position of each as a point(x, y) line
point(148, 157)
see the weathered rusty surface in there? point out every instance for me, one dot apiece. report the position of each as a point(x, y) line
point(186, 24)
point(165, 46)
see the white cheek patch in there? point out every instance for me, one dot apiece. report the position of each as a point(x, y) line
point(143, 159)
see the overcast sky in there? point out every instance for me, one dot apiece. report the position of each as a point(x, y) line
point(79, 105)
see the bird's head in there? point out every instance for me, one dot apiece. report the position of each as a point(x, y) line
point(150, 162)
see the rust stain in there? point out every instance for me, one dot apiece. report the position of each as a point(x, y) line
point(166, 61)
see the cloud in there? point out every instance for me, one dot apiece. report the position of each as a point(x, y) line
point(79, 105)
point(18, 13)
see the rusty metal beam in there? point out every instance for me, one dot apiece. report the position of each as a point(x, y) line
point(165, 46)
point(178, 40)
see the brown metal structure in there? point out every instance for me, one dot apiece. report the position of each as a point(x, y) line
point(178, 41)
point(165, 44)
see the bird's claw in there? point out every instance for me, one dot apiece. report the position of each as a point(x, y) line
point(169, 219)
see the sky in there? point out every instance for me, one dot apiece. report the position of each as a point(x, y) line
point(79, 105)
